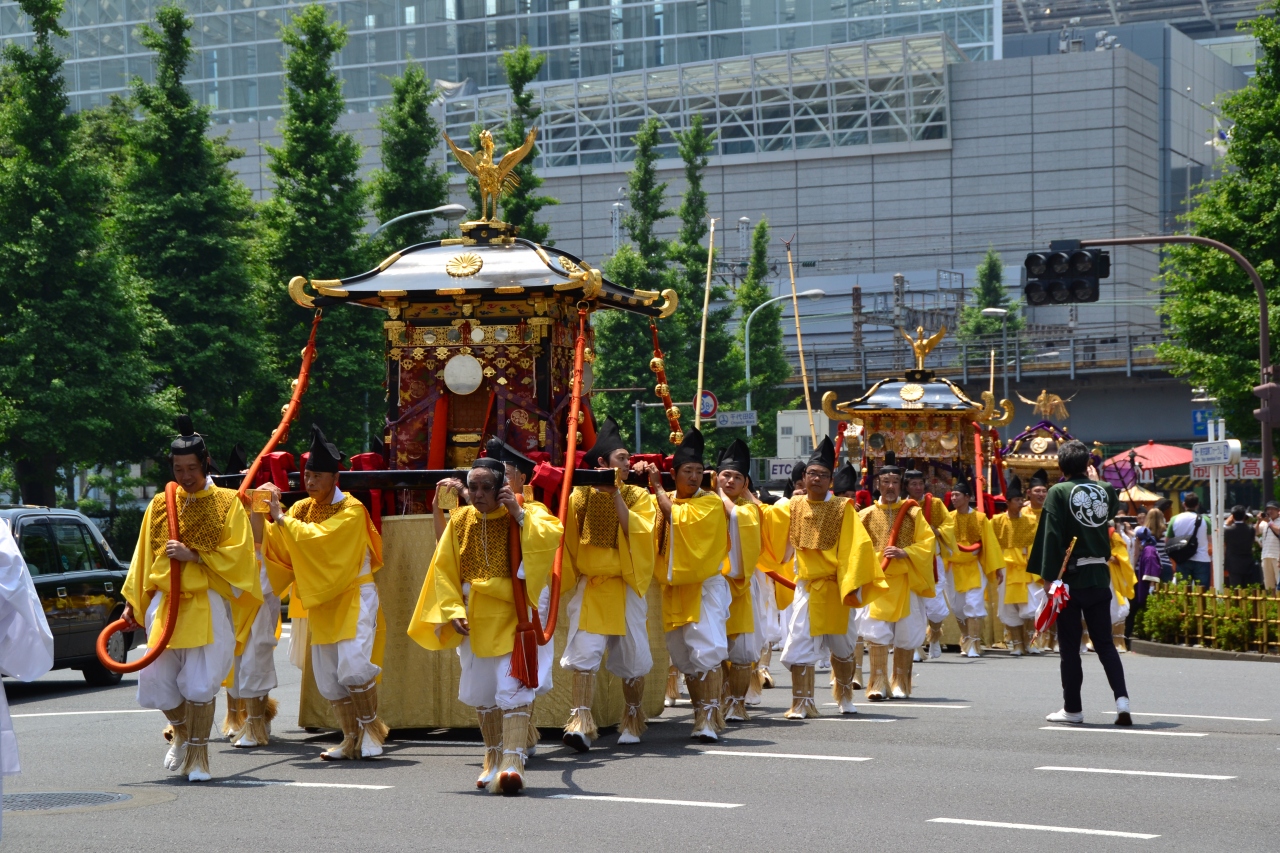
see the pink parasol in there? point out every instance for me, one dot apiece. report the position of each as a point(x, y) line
point(1153, 455)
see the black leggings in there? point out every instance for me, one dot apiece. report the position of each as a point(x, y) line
point(1094, 605)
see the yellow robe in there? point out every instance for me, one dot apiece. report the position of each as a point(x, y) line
point(212, 522)
point(782, 596)
point(837, 578)
point(942, 520)
point(741, 615)
point(609, 570)
point(321, 551)
point(1015, 536)
point(902, 576)
point(1124, 581)
point(694, 546)
point(489, 608)
point(966, 567)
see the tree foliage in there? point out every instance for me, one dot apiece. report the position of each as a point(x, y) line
point(1211, 305)
point(989, 292)
point(769, 367)
point(520, 206)
point(73, 322)
point(315, 217)
point(408, 179)
point(186, 224)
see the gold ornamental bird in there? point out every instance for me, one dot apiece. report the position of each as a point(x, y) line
point(495, 178)
point(1051, 407)
point(923, 345)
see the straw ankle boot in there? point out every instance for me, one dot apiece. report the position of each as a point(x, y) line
point(802, 704)
point(634, 720)
point(878, 683)
point(234, 720)
point(534, 734)
point(581, 730)
point(1031, 642)
point(714, 685)
point(199, 726)
point(349, 749)
point(739, 686)
point(973, 627)
point(900, 684)
point(766, 657)
point(933, 636)
point(1017, 642)
point(491, 730)
point(858, 679)
point(842, 685)
point(374, 731)
point(1117, 637)
point(253, 732)
point(673, 687)
point(176, 734)
point(515, 733)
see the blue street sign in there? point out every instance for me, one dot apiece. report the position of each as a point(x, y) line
point(1200, 421)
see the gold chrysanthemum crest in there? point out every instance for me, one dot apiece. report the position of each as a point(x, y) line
point(461, 266)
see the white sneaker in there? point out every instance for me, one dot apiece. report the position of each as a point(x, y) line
point(1073, 717)
point(1123, 717)
point(915, 656)
point(935, 650)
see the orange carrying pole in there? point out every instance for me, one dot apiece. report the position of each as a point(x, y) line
point(175, 597)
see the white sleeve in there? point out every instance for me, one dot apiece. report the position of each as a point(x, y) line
point(26, 643)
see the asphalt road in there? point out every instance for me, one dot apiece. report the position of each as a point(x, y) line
point(971, 745)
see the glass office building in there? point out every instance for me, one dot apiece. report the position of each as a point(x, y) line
point(237, 68)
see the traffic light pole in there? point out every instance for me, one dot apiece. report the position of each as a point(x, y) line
point(1264, 337)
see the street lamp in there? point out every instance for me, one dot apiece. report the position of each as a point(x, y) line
point(451, 212)
point(1003, 314)
point(815, 293)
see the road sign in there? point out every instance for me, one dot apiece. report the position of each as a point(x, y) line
point(1200, 422)
point(736, 419)
point(779, 469)
point(1216, 452)
point(710, 405)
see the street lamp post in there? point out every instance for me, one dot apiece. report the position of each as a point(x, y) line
point(450, 212)
point(1003, 314)
point(815, 293)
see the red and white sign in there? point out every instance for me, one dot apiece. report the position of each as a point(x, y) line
point(1248, 468)
point(710, 405)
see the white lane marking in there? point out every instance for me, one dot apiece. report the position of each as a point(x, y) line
point(1199, 717)
point(608, 799)
point(909, 705)
point(1070, 829)
point(1136, 772)
point(850, 718)
point(88, 713)
point(543, 748)
point(262, 783)
point(1122, 731)
point(783, 755)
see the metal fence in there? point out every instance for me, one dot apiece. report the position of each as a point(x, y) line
point(1245, 619)
point(1036, 353)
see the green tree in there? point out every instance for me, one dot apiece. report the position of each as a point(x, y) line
point(314, 218)
point(186, 224)
point(623, 341)
point(989, 292)
point(769, 367)
point(73, 323)
point(408, 180)
point(520, 206)
point(1211, 305)
point(723, 368)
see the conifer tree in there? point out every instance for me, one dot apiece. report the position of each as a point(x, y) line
point(769, 367)
point(409, 180)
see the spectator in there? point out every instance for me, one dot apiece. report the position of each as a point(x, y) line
point(1269, 534)
point(1237, 548)
point(1166, 508)
point(1184, 524)
point(1151, 561)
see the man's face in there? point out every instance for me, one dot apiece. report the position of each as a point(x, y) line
point(188, 471)
point(1037, 494)
point(890, 487)
point(319, 484)
point(915, 488)
point(1015, 506)
point(960, 501)
point(619, 458)
point(1273, 513)
point(816, 482)
point(514, 478)
point(482, 489)
point(731, 483)
point(688, 479)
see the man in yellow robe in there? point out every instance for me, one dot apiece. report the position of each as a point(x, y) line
point(468, 603)
point(1015, 529)
point(250, 709)
point(835, 571)
point(976, 560)
point(327, 547)
point(215, 550)
point(693, 544)
point(939, 518)
point(1037, 491)
point(608, 563)
point(1124, 583)
point(746, 614)
point(896, 617)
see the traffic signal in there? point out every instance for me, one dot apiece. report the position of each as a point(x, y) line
point(1269, 394)
point(1066, 273)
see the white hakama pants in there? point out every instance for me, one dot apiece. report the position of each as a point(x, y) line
point(348, 663)
point(906, 633)
point(195, 674)
point(970, 604)
point(629, 653)
point(254, 672)
point(803, 649)
point(699, 647)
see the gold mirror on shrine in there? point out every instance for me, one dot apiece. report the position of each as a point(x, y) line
point(463, 374)
point(949, 441)
point(501, 334)
point(477, 335)
point(912, 440)
point(876, 441)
